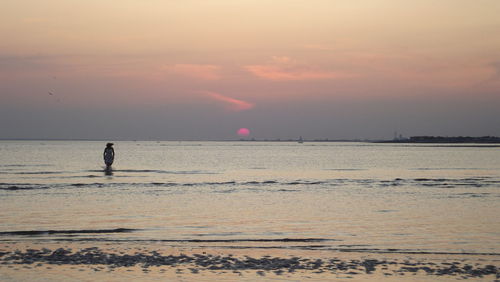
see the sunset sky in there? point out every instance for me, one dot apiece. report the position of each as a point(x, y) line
point(203, 69)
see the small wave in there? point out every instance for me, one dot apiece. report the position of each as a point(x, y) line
point(21, 187)
point(303, 182)
point(449, 168)
point(476, 182)
point(167, 184)
point(37, 172)
point(277, 240)
point(25, 165)
point(471, 195)
point(303, 240)
point(346, 169)
point(132, 170)
point(81, 184)
point(165, 171)
point(158, 171)
point(51, 232)
point(273, 185)
point(451, 183)
point(354, 248)
point(267, 182)
point(430, 179)
point(218, 234)
point(220, 183)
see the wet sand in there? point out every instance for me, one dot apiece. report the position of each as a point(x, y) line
point(113, 262)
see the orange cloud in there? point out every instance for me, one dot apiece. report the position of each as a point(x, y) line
point(231, 103)
point(204, 72)
point(285, 69)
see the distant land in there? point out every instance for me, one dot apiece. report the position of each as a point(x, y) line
point(441, 139)
point(413, 139)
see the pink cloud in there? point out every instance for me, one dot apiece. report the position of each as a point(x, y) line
point(230, 103)
point(285, 69)
point(204, 72)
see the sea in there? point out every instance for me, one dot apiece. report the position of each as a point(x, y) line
point(328, 196)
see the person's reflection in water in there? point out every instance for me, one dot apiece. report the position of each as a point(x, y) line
point(108, 171)
point(109, 157)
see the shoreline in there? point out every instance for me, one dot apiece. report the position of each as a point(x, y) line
point(117, 261)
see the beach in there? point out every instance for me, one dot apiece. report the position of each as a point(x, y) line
point(152, 263)
point(248, 211)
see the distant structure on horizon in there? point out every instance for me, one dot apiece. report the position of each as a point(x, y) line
point(399, 137)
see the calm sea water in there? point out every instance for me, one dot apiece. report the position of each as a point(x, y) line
point(345, 196)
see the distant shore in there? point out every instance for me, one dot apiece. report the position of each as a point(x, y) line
point(441, 139)
point(412, 139)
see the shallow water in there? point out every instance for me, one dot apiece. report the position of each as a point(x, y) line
point(328, 196)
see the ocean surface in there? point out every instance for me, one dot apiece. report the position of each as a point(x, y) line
point(359, 197)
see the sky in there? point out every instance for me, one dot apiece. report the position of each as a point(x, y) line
point(204, 69)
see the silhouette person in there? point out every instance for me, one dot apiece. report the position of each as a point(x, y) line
point(109, 155)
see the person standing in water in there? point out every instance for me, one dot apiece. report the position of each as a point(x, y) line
point(109, 155)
